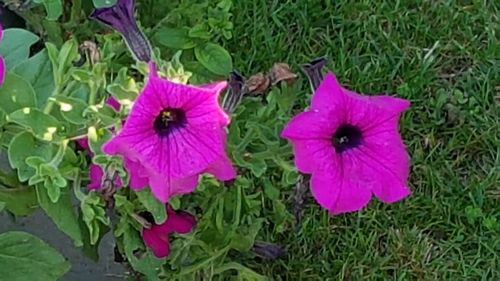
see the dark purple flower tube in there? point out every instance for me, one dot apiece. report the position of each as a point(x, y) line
point(313, 72)
point(121, 18)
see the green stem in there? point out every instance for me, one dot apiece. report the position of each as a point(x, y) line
point(93, 94)
point(76, 11)
point(60, 153)
point(50, 102)
point(76, 187)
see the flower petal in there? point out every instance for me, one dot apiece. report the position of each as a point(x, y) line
point(95, 175)
point(311, 125)
point(194, 150)
point(157, 241)
point(137, 174)
point(84, 143)
point(111, 101)
point(329, 95)
point(370, 112)
point(392, 104)
point(127, 6)
point(386, 166)
point(222, 169)
point(2, 71)
point(308, 153)
point(337, 187)
point(217, 88)
point(165, 187)
point(179, 222)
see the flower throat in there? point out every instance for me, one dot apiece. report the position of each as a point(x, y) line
point(168, 120)
point(346, 137)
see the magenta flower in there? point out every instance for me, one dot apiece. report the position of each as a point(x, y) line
point(120, 17)
point(96, 175)
point(2, 62)
point(173, 134)
point(351, 146)
point(157, 237)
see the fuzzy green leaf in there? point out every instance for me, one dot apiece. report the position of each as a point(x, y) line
point(15, 46)
point(26, 257)
point(215, 58)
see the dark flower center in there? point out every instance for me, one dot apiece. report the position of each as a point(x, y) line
point(346, 137)
point(168, 120)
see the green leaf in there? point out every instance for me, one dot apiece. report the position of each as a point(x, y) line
point(16, 93)
point(244, 273)
point(201, 75)
point(19, 201)
point(123, 88)
point(148, 264)
point(62, 59)
point(26, 257)
point(72, 109)
point(62, 213)
point(245, 239)
point(15, 46)
point(8, 175)
point(2, 206)
point(37, 70)
point(67, 54)
point(258, 166)
point(54, 30)
point(94, 216)
point(22, 146)
point(215, 58)
point(42, 125)
point(270, 190)
point(175, 38)
point(91, 250)
point(201, 31)
point(53, 8)
point(155, 207)
point(103, 3)
point(97, 137)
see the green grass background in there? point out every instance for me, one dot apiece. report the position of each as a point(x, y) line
point(444, 57)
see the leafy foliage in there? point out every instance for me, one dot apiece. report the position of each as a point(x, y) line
point(25, 257)
point(55, 94)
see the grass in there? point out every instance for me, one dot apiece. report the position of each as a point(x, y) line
point(441, 55)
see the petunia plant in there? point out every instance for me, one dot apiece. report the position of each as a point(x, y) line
point(111, 135)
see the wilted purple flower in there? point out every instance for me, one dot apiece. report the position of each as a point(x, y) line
point(267, 250)
point(313, 71)
point(121, 18)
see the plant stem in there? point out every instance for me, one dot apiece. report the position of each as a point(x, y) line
point(50, 101)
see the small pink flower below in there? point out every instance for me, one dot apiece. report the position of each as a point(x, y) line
point(157, 237)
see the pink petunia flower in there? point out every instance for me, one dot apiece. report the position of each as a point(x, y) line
point(2, 62)
point(351, 145)
point(157, 237)
point(173, 134)
point(96, 175)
